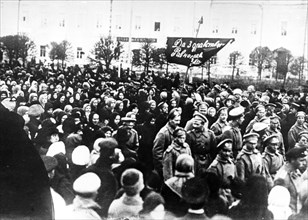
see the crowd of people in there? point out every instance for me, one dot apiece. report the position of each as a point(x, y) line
point(82, 143)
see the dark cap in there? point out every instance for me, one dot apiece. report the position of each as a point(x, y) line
point(50, 163)
point(200, 116)
point(295, 153)
point(223, 142)
point(268, 138)
point(295, 105)
point(252, 134)
point(270, 105)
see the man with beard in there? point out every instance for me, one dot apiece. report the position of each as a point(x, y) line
point(291, 174)
point(298, 127)
point(202, 142)
point(164, 138)
point(236, 117)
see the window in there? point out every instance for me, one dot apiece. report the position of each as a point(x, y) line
point(215, 27)
point(99, 23)
point(213, 60)
point(79, 52)
point(62, 23)
point(234, 30)
point(137, 23)
point(43, 51)
point(284, 28)
point(157, 26)
point(118, 22)
point(253, 29)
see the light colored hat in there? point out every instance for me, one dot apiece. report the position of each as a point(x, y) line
point(56, 148)
point(87, 183)
point(259, 126)
point(81, 155)
point(35, 110)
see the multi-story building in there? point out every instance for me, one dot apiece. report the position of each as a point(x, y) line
point(272, 23)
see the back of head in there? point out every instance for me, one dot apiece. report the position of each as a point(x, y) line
point(184, 163)
point(151, 202)
point(256, 192)
point(132, 181)
point(195, 192)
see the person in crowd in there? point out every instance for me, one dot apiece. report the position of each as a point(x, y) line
point(302, 139)
point(274, 129)
point(115, 119)
point(202, 108)
point(153, 207)
point(249, 160)
point(299, 126)
point(254, 202)
point(291, 174)
point(272, 159)
point(162, 117)
point(102, 168)
point(130, 203)
point(202, 143)
point(84, 206)
point(93, 129)
point(59, 203)
point(211, 116)
point(164, 138)
point(218, 126)
point(172, 188)
point(278, 202)
point(195, 193)
point(108, 109)
point(223, 165)
point(260, 117)
point(236, 117)
point(35, 112)
point(177, 147)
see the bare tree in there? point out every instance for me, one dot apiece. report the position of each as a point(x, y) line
point(261, 57)
point(107, 50)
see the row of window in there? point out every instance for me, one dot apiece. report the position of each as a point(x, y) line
point(157, 26)
point(80, 53)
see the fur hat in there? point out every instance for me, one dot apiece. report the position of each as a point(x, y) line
point(132, 181)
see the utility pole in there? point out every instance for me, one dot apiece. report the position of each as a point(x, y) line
point(110, 20)
point(18, 17)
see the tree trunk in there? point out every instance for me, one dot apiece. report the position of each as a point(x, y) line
point(259, 72)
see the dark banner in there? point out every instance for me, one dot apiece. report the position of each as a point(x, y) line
point(193, 51)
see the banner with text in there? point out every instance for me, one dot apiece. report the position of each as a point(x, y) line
point(193, 51)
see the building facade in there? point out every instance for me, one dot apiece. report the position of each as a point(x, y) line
point(269, 23)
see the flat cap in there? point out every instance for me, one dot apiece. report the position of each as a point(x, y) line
point(222, 109)
point(270, 105)
point(259, 126)
point(237, 91)
point(300, 114)
point(251, 134)
point(295, 153)
point(224, 142)
point(295, 105)
point(268, 138)
point(200, 116)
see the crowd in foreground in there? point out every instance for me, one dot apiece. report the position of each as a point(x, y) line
point(148, 148)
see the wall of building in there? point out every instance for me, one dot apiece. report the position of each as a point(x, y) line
point(251, 23)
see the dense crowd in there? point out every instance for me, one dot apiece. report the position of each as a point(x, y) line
point(148, 147)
